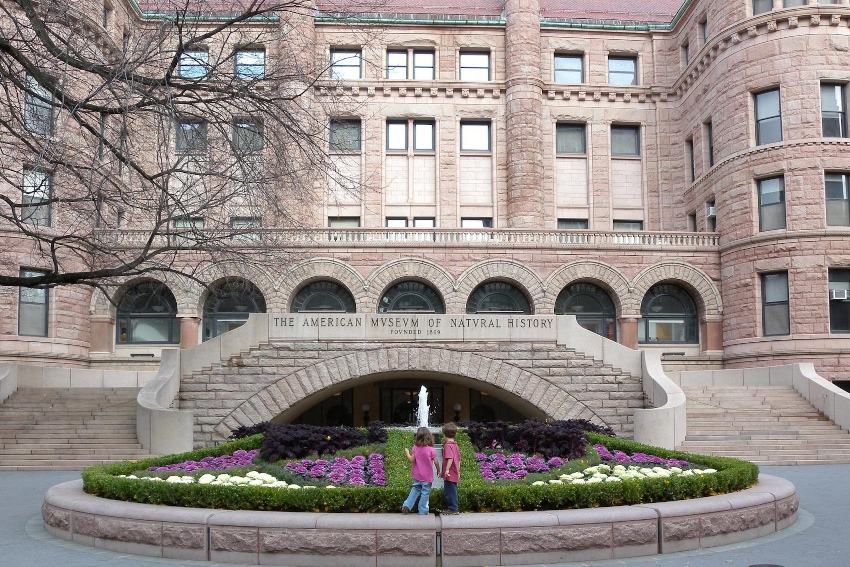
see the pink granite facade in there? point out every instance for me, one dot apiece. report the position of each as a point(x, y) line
point(675, 201)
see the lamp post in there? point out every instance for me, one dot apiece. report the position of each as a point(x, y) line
point(457, 412)
point(366, 409)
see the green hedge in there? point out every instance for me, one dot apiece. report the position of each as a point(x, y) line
point(475, 494)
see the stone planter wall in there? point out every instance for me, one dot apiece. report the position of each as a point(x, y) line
point(386, 540)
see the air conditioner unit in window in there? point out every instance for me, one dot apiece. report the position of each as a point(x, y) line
point(710, 212)
point(842, 294)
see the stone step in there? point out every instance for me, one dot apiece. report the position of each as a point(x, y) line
point(129, 451)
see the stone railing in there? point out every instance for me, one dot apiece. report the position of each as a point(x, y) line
point(8, 380)
point(161, 429)
point(419, 236)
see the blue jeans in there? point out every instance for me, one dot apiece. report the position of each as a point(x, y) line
point(420, 490)
point(450, 490)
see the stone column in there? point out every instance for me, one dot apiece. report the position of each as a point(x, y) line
point(102, 334)
point(629, 330)
point(524, 92)
point(189, 325)
point(712, 332)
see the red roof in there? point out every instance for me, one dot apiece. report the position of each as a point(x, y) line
point(609, 10)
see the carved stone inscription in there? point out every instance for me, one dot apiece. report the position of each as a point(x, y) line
point(402, 327)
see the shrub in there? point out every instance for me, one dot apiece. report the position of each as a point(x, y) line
point(535, 437)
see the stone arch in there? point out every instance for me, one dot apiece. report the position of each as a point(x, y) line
point(196, 294)
point(698, 283)
point(106, 305)
point(593, 271)
point(321, 269)
point(504, 270)
point(548, 397)
point(417, 269)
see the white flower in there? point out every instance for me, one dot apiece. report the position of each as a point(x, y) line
point(613, 479)
point(556, 481)
point(174, 479)
point(538, 483)
point(206, 479)
point(294, 486)
point(564, 477)
point(577, 475)
point(255, 482)
point(330, 486)
point(709, 471)
point(594, 480)
point(252, 474)
point(223, 477)
point(675, 470)
point(579, 481)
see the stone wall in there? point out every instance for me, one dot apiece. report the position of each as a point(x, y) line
point(288, 378)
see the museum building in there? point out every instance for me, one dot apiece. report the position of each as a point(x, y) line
point(673, 173)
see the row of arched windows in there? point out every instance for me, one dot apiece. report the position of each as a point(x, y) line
point(147, 312)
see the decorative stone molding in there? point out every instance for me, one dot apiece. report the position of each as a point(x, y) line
point(705, 292)
point(214, 273)
point(502, 270)
point(322, 269)
point(594, 271)
point(403, 269)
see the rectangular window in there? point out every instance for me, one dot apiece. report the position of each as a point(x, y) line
point(193, 64)
point(711, 215)
point(833, 110)
point(399, 67)
point(397, 135)
point(628, 226)
point(771, 203)
point(689, 160)
point(396, 222)
point(246, 229)
point(793, 3)
point(33, 305)
point(839, 301)
point(345, 64)
point(345, 135)
point(692, 222)
point(38, 108)
point(625, 140)
point(35, 197)
point(476, 223)
point(572, 224)
point(247, 136)
point(709, 142)
point(570, 139)
point(343, 222)
point(703, 31)
point(188, 228)
point(622, 71)
point(250, 63)
point(569, 69)
point(424, 222)
point(191, 137)
point(774, 302)
point(768, 117)
point(837, 203)
point(475, 67)
point(686, 54)
point(762, 6)
point(475, 136)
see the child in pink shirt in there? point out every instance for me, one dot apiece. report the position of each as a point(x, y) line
point(423, 473)
point(451, 468)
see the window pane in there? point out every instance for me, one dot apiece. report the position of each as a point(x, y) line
point(191, 136)
point(569, 69)
point(625, 140)
point(837, 210)
point(769, 131)
point(248, 136)
point(768, 121)
point(32, 308)
point(423, 136)
point(38, 112)
point(193, 64)
point(832, 110)
point(622, 71)
point(775, 287)
point(35, 190)
point(475, 137)
point(149, 329)
point(762, 6)
point(772, 191)
point(250, 64)
point(397, 65)
point(628, 225)
point(767, 104)
point(345, 65)
point(476, 223)
point(832, 97)
point(345, 135)
point(423, 65)
point(572, 224)
point(792, 3)
point(396, 135)
point(771, 204)
point(475, 67)
point(424, 222)
point(344, 222)
point(396, 223)
point(570, 139)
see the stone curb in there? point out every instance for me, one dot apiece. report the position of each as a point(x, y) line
point(386, 540)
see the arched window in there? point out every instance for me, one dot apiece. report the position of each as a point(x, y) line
point(228, 305)
point(498, 297)
point(147, 313)
point(411, 297)
point(323, 296)
point(592, 306)
point(669, 315)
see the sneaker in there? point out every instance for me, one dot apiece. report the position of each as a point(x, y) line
point(451, 512)
point(405, 510)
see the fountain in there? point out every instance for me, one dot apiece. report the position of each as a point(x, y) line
point(422, 411)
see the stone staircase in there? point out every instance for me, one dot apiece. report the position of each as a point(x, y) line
point(767, 425)
point(68, 429)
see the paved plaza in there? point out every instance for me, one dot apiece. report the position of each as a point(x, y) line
point(818, 537)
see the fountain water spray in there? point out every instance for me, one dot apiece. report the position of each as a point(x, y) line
point(422, 411)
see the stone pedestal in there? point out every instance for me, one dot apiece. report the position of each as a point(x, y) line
point(102, 334)
point(189, 325)
point(712, 332)
point(629, 331)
